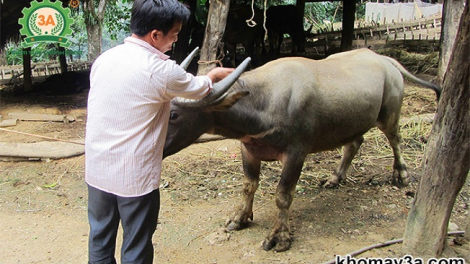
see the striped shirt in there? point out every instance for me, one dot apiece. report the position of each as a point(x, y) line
point(131, 86)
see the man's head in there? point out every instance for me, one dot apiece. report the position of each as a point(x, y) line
point(161, 15)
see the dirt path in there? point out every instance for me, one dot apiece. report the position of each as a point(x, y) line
point(49, 225)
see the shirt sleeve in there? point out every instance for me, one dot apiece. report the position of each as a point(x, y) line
point(183, 84)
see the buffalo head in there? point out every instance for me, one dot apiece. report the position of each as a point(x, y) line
point(189, 119)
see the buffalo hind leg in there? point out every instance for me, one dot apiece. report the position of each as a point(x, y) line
point(350, 151)
point(400, 175)
point(279, 238)
point(251, 168)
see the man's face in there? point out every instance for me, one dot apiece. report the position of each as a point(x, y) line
point(164, 42)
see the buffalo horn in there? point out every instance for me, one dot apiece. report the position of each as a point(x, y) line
point(219, 88)
point(189, 58)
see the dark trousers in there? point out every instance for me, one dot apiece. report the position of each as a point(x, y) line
point(138, 217)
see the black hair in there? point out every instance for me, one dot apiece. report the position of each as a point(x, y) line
point(161, 15)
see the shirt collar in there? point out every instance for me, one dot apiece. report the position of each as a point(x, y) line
point(147, 46)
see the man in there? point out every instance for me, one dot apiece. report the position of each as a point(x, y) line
point(128, 110)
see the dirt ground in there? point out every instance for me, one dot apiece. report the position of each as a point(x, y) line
point(43, 217)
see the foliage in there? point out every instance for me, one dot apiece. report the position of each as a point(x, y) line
point(117, 17)
point(360, 10)
point(14, 53)
point(109, 42)
point(201, 11)
point(280, 2)
point(321, 14)
point(41, 52)
point(79, 36)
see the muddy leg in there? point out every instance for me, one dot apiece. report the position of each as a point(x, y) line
point(244, 211)
point(400, 175)
point(279, 238)
point(350, 151)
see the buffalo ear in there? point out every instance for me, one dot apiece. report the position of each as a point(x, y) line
point(227, 101)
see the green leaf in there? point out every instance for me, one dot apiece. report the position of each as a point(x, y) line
point(50, 186)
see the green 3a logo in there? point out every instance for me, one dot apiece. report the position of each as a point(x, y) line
point(46, 22)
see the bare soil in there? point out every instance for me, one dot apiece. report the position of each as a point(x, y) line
point(43, 217)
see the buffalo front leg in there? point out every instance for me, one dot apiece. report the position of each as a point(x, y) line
point(251, 168)
point(279, 238)
point(350, 151)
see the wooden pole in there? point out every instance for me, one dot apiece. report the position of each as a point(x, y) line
point(215, 29)
point(62, 60)
point(27, 80)
point(349, 11)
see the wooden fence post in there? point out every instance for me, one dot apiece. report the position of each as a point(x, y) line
point(217, 19)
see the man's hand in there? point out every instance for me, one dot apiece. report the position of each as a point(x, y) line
point(219, 73)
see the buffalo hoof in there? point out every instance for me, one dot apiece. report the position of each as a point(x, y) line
point(238, 220)
point(331, 183)
point(278, 244)
point(232, 225)
point(400, 178)
point(400, 182)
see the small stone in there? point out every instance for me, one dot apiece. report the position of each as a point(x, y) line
point(453, 227)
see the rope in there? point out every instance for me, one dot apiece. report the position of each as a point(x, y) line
point(201, 62)
point(250, 22)
point(218, 60)
point(39, 136)
point(264, 19)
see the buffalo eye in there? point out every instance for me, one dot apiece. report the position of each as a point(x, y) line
point(173, 115)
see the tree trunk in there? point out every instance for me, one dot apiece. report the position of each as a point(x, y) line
point(215, 29)
point(27, 79)
point(450, 21)
point(447, 157)
point(94, 16)
point(94, 41)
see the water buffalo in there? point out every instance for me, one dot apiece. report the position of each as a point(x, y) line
point(285, 19)
point(291, 107)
